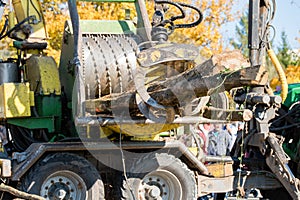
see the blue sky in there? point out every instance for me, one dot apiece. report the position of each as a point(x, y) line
point(287, 18)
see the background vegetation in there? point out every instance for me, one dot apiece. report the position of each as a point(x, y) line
point(208, 35)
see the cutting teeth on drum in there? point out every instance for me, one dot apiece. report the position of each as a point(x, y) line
point(107, 62)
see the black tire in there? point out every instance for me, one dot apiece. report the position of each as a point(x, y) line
point(278, 194)
point(168, 178)
point(60, 174)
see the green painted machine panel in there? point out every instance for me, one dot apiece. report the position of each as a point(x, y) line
point(293, 94)
point(106, 27)
point(49, 115)
point(35, 123)
point(50, 106)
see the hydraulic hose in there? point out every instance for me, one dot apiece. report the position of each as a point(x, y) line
point(75, 25)
point(281, 73)
point(79, 83)
point(180, 7)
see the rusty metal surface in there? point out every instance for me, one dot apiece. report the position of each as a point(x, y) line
point(167, 52)
point(278, 163)
point(37, 150)
point(257, 179)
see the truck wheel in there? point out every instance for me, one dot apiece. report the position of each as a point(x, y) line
point(160, 176)
point(64, 176)
point(278, 194)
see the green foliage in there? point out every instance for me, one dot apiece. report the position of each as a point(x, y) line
point(285, 54)
point(207, 35)
point(283, 51)
point(241, 41)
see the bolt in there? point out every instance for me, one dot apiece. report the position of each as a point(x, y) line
point(247, 115)
point(154, 192)
point(60, 193)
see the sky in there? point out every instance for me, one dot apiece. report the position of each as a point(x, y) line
point(287, 18)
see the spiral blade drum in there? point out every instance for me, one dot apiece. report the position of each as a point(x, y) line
point(107, 68)
point(107, 62)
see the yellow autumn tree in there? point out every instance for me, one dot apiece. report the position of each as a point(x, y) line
point(206, 35)
point(292, 75)
point(6, 48)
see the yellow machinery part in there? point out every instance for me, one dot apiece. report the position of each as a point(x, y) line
point(31, 95)
point(11, 18)
point(220, 169)
point(42, 72)
point(281, 74)
point(6, 168)
point(143, 131)
point(14, 100)
point(24, 8)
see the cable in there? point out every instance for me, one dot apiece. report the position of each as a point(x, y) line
point(5, 26)
point(123, 162)
point(198, 21)
point(174, 4)
point(179, 6)
point(17, 26)
point(37, 11)
point(284, 127)
point(196, 138)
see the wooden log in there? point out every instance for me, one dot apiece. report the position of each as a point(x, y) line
point(163, 92)
point(18, 193)
point(218, 74)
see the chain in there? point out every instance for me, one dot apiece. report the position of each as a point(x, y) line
point(244, 132)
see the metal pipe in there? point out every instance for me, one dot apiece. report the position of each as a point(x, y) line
point(75, 26)
point(264, 99)
point(276, 99)
point(143, 22)
point(78, 85)
point(253, 32)
point(218, 159)
point(96, 120)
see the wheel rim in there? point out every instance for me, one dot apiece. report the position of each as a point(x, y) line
point(63, 185)
point(160, 185)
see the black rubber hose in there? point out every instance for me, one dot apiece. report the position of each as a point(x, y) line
point(174, 4)
point(179, 6)
point(195, 23)
point(4, 27)
point(75, 25)
point(18, 26)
